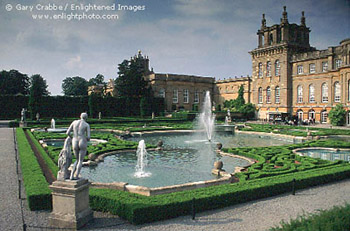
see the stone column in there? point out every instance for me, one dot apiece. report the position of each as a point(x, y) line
point(70, 202)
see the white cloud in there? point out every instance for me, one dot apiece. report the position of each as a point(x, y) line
point(74, 63)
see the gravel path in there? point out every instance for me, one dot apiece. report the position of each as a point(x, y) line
point(10, 210)
point(256, 215)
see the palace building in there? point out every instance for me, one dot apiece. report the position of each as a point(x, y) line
point(289, 77)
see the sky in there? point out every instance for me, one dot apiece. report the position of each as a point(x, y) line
point(194, 37)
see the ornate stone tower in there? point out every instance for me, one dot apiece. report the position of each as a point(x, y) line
point(271, 75)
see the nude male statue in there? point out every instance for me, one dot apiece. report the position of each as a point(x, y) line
point(81, 135)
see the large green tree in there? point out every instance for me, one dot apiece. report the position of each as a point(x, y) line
point(99, 79)
point(130, 81)
point(337, 115)
point(75, 86)
point(13, 82)
point(132, 86)
point(38, 89)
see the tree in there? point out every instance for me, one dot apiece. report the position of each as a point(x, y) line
point(248, 110)
point(130, 82)
point(99, 79)
point(337, 115)
point(13, 82)
point(132, 86)
point(38, 89)
point(75, 86)
point(239, 102)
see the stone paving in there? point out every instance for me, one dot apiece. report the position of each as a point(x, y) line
point(255, 215)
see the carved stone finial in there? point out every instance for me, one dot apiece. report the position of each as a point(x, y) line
point(284, 14)
point(263, 21)
point(302, 20)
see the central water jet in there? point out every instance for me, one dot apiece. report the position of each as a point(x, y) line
point(206, 117)
point(141, 161)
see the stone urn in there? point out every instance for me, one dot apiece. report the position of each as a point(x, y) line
point(92, 156)
point(218, 165)
point(160, 144)
point(219, 146)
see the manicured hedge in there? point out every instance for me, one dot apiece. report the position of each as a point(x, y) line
point(141, 209)
point(49, 162)
point(36, 186)
point(335, 219)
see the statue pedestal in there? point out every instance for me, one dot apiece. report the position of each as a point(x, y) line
point(22, 124)
point(70, 204)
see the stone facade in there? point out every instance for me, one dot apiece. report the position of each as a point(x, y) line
point(227, 89)
point(180, 91)
point(288, 74)
point(289, 77)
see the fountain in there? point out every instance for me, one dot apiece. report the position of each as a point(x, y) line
point(226, 120)
point(141, 161)
point(206, 117)
point(53, 123)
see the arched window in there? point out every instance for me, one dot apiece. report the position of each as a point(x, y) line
point(300, 94)
point(260, 70)
point(337, 92)
point(277, 68)
point(277, 94)
point(268, 95)
point(260, 98)
point(324, 93)
point(300, 115)
point(161, 93)
point(268, 69)
point(311, 93)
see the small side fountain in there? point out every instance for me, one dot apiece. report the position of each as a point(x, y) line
point(53, 123)
point(206, 117)
point(141, 161)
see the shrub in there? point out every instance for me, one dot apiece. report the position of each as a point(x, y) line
point(335, 219)
point(36, 187)
point(337, 115)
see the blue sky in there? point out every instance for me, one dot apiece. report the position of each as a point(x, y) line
point(197, 37)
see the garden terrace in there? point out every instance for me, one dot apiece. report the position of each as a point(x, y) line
point(274, 173)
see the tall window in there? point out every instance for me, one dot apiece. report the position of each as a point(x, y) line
point(300, 94)
point(175, 96)
point(300, 69)
point(324, 92)
point(185, 96)
point(161, 93)
point(260, 97)
point(300, 115)
point(337, 92)
point(349, 90)
point(268, 69)
point(277, 94)
point(312, 68)
point(196, 97)
point(277, 68)
point(311, 93)
point(324, 116)
point(337, 63)
point(324, 66)
point(268, 95)
point(260, 70)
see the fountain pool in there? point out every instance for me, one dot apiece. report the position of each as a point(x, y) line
point(60, 142)
point(185, 158)
point(325, 153)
